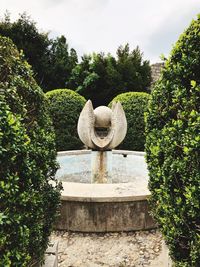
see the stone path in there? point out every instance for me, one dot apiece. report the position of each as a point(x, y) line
point(132, 249)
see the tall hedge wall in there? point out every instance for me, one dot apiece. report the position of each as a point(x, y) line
point(134, 105)
point(65, 107)
point(173, 149)
point(28, 201)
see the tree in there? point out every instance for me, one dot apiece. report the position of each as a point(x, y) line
point(135, 73)
point(51, 60)
point(101, 77)
point(60, 63)
point(35, 45)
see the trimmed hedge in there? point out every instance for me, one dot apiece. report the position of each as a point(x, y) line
point(134, 105)
point(173, 149)
point(28, 201)
point(65, 108)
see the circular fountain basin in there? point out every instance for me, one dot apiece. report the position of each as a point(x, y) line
point(121, 204)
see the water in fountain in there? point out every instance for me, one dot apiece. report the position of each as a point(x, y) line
point(120, 166)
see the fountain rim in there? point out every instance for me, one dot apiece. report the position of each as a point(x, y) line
point(118, 192)
point(88, 151)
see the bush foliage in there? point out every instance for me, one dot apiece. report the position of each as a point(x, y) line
point(65, 108)
point(134, 105)
point(28, 163)
point(173, 149)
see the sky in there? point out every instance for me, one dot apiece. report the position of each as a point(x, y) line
point(103, 25)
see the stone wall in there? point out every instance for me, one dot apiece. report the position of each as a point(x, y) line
point(105, 216)
point(155, 72)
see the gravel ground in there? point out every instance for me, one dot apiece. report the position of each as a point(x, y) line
point(132, 249)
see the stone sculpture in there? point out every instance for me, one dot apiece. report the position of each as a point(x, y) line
point(102, 128)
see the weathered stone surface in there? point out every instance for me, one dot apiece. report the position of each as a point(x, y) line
point(86, 124)
point(52, 248)
point(119, 125)
point(104, 217)
point(102, 117)
point(50, 261)
point(156, 72)
point(101, 167)
point(51, 255)
point(120, 192)
point(91, 122)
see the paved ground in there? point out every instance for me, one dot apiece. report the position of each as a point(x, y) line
point(133, 249)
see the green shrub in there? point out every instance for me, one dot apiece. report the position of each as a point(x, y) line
point(65, 108)
point(134, 105)
point(28, 201)
point(173, 149)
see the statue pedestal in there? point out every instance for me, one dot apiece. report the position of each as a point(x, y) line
point(101, 167)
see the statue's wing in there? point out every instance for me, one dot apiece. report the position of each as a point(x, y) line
point(118, 124)
point(86, 124)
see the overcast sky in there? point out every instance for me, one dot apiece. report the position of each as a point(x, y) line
point(104, 25)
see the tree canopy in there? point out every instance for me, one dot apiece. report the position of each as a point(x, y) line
point(98, 77)
point(101, 77)
point(50, 59)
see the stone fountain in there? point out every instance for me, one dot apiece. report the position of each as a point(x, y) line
point(102, 130)
point(104, 189)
